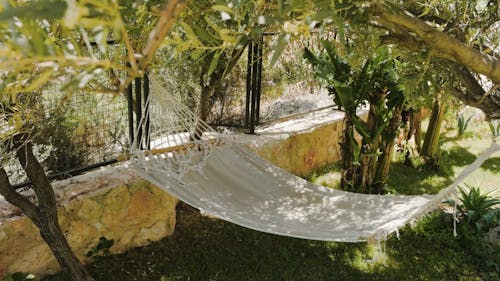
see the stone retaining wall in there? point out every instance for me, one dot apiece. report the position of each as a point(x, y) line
point(116, 204)
point(110, 203)
point(304, 153)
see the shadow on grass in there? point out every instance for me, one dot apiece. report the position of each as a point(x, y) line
point(411, 181)
point(492, 165)
point(455, 156)
point(210, 249)
point(203, 248)
point(430, 251)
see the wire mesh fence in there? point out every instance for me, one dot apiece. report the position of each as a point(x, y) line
point(83, 130)
point(74, 131)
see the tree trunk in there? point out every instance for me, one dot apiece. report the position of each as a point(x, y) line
point(43, 215)
point(203, 107)
point(430, 148)
point(416, 128)
point(347, 154)
point(71, 266)
point(368, 151)
point(364, 178)
point(415, 34)
point(203, 110)
point(387, 146)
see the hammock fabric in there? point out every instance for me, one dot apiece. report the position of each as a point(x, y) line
point(230, 182)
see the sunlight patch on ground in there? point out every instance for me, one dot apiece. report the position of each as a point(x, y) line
point(331, 179)
point(373, 256)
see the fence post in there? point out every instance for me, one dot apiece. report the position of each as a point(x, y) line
point(130, 109)
point(255, 70)
point(147, 139)
point(258, 88)
point(248, 85)
point(253, 85)
point(138, 111)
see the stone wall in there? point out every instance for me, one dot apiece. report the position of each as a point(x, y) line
point(305, 143)
point(109, 203)
point(302, 154)
point(116, 204)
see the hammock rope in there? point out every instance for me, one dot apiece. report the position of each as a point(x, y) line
point(213, 173)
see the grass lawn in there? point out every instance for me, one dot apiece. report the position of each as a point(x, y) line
point(456, 154)
point(204, 248)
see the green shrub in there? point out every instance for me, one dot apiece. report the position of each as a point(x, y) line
point(495, 128)
point(102, 247)
point(463, 122)
point(476, 208)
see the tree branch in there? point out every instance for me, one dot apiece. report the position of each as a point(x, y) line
point(41, 184)
point(475, 95)
point(16, 199)
point(167, 19)
point(443, 45)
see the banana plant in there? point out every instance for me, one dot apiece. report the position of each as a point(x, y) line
point(365, 164)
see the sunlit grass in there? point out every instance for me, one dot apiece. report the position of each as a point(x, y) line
point(456, 154)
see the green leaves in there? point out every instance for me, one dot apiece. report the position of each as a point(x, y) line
point(102, 247)
point(494, 128)
point(222, 8)
point(346, 96)
point(476, 208)
point(190, 34)
point(462, 124)
point(52, 9)
point(278, 47)
point(213, 63)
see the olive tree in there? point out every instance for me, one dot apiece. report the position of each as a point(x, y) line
point(463, 34)
point(54, 40)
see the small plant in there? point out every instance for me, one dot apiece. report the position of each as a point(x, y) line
point(476, 208)
point(102, 247)
point(463, 122)
point(494, 128)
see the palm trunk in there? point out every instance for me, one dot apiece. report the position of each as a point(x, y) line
point(430, 148)
point(385, 159)
point(368, 160)
point(347, 153)
point(416, 128)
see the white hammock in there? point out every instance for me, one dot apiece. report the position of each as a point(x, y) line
point(216, 175)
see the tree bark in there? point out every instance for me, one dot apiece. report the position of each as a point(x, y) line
point(71, 266)
point(369, 149)
point(416, 128)
point(387, 147)
point(203, 109)
point(442, 44)
point(474, 94)
point(430, 148)
point(416, 35)
point(43, 215)
point(347, 154)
